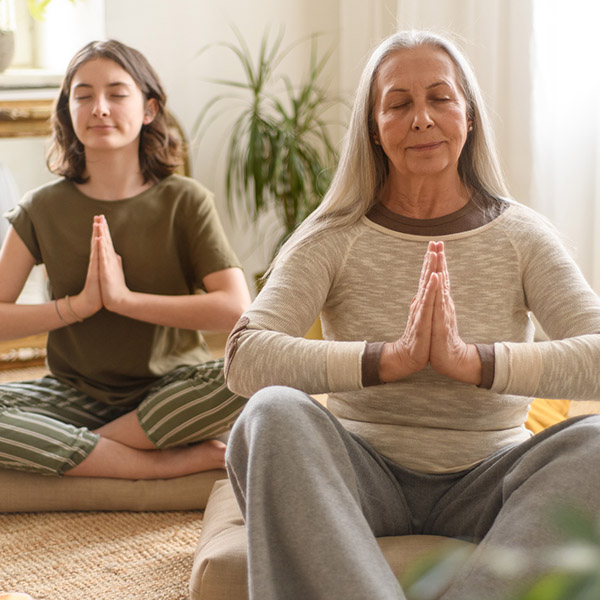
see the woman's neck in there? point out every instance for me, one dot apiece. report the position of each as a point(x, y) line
point(112, 176)
point(424, 198)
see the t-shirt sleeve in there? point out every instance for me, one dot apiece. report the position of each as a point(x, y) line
point(209, 247)
point(21, 221)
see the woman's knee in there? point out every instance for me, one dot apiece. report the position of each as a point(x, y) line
point(275, 414)
point(276, 405)
point(565, 461)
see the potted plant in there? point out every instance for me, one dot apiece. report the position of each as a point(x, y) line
point(8, 24)
point(572, 563)
point(280, 153)
point(7, 33)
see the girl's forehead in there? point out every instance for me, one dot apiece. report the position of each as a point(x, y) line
point(101, 69)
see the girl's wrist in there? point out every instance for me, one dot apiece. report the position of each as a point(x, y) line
point(72, 312)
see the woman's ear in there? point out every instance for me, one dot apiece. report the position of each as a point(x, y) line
point(150, 111)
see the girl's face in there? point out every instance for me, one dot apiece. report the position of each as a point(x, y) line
point(107, 107)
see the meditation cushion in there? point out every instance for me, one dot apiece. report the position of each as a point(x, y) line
point(220, 564)
point(220, 568)
point(545, 413)
point(30, 492)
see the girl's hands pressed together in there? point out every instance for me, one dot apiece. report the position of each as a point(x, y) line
point(110, 272)
point(431, 335)
point(89, 301)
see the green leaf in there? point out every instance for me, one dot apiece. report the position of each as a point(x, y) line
point(564, 586)
point(37, 8)
point(279, 153)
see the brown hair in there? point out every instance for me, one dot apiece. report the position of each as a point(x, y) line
point(161, 149)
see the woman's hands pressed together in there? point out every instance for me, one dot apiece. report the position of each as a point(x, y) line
point(431, 334)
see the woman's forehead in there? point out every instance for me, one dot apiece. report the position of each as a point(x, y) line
point(424, 65)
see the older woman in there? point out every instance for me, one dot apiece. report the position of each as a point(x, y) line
point(429, 363)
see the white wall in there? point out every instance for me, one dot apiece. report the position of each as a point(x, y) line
point(170, 34)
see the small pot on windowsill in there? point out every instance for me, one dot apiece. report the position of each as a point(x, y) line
point(7, 48)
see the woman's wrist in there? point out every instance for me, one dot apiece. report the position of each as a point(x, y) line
point(470, 368)
point(394, 363)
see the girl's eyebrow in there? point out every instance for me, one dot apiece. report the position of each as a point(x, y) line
point(113, 84)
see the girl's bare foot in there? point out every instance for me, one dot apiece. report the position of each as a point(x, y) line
point(211, 454)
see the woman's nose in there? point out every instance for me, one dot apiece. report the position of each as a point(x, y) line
point(422, 119)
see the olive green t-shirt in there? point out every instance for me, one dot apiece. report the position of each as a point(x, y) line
point(169, 238)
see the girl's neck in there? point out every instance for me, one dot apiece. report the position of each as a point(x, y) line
point(112, 177)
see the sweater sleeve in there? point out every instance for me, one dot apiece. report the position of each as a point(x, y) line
point(567, 308)
point(267, 346)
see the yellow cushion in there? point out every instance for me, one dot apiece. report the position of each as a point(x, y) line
point(544, 413)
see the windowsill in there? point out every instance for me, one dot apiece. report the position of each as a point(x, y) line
point(28, 83)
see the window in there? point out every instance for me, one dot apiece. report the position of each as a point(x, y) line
point(49, 44)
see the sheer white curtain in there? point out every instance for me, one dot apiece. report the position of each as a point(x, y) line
point(567, 125)
point(535, 61)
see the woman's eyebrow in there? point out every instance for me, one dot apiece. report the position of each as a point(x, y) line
point(429, 87)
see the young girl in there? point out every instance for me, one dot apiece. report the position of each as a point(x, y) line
point(137, 263)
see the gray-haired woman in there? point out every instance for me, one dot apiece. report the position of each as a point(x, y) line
point(429, 363)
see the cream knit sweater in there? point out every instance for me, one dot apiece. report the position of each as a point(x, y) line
point(362, 281)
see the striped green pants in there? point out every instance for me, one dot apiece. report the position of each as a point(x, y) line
point(46, 426)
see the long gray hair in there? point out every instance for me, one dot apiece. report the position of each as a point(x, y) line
point(363, 166)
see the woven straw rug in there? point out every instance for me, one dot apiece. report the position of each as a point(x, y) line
point(99, 556)
point(96, 555)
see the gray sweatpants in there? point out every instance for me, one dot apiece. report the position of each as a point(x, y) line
point(314, 498)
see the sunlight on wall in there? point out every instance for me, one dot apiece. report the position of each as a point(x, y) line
point(66, 28)
point(566, 125)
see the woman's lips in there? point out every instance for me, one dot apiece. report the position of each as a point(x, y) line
point(424, 147)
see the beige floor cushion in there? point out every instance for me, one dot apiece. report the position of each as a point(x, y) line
point(220, 568)
point(28, 492)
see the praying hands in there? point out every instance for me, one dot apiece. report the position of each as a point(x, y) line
point(105, 281)
point(431, 335)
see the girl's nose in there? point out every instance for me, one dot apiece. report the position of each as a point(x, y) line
point(101, 107)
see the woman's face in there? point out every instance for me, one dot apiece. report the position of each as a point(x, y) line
point(107, 107)
point(420, 113)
